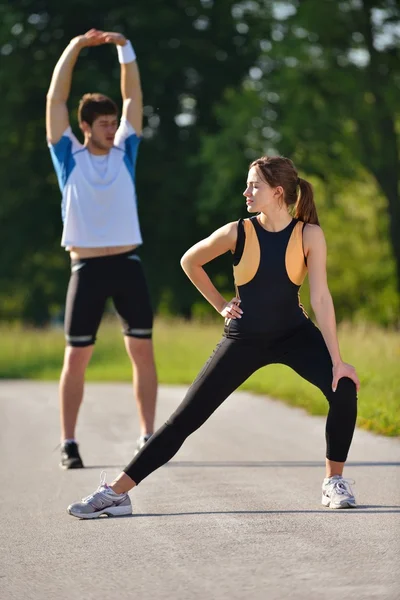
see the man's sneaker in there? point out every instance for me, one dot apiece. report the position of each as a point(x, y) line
point(337, 493)
point(141, 442)
point(70, 457)
point(102, 502)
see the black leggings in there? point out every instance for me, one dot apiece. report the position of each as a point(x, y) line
point(231, 363)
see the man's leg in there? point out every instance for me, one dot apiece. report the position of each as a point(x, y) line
point(141, 353)
point(132, 302)
point(71, 387)
point(84, 308)
point(231, 363)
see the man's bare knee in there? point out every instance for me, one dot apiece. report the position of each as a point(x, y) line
point(76, 359)
point(139, 350)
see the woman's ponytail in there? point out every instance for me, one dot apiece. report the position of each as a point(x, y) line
point(280, 171)
point(305, 209)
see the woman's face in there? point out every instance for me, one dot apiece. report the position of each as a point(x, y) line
point(258, 193)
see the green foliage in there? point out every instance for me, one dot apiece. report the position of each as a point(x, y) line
point(223, 81)
point(188, 52)
point(336, 112)
point(361, 267)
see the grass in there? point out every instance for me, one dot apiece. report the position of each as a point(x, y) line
point(181, 349)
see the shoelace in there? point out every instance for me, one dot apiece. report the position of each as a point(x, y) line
point(342, 486)
point(103, 476)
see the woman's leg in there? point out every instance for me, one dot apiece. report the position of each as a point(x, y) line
point(307, 354)
point(232, 362)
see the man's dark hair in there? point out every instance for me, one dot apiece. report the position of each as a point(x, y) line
point(92, 106)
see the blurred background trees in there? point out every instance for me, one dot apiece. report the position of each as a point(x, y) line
point(223, 83)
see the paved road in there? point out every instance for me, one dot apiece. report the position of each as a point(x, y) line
point(235, 515)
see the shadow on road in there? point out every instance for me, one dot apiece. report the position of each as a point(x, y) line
point(363, 509)
point(252, 463)
point(275, 463)
point(366, 510)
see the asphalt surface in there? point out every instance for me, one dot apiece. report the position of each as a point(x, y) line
point(235, 515)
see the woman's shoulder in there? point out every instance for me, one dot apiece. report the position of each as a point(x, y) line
point(311, 229)
point(309, 225)
point(313, 235)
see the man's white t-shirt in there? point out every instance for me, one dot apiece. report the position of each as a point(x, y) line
point(99, 206)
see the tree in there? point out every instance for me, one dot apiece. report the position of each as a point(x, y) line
point(189, 52)
point(223, 81)
point(308, 97)
point(336, 69)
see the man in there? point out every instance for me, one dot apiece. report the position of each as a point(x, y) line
point(101, 231)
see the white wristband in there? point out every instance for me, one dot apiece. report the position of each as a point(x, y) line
point(126, 54)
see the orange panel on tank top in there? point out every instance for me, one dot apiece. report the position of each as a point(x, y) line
point(250, 261)
point(294, 259)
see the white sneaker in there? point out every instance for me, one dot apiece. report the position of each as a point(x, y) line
point(102, 502)
point(337, 493)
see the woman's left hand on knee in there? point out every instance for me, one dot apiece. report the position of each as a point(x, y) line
point(343, 369)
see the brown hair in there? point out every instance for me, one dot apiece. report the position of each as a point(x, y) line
point(280, 171)
point(92, 106)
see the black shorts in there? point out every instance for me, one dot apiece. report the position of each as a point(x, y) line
point(92, 282)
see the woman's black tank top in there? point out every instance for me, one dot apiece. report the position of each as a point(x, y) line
point(269, 268)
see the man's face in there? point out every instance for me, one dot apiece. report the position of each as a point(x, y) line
point(102, 132)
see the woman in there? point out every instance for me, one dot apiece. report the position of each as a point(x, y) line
point(265, 323)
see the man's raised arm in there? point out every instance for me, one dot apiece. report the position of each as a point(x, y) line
point(131, 89)
point(57, 119)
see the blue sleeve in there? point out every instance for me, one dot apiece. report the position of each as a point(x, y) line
point(131, 149)
point(63, 160)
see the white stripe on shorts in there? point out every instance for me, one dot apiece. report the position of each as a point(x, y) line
point(76, 267)
point(139, 331)
point(78, 338)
